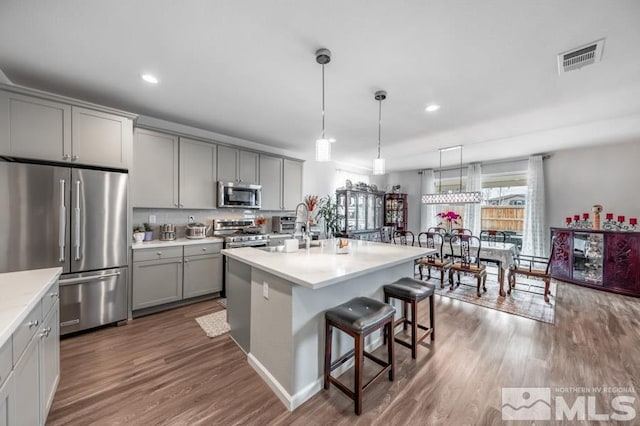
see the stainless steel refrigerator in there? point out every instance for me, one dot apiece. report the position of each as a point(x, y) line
point(73, 218)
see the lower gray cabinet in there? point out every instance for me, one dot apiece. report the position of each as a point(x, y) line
point(49, 336)
point(7, 401)
point(202, 275)
point(156, 282)
point(27, 386)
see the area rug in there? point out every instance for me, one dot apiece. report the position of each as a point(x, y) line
point(222, 301)
point(214, 324)
point(526, 300)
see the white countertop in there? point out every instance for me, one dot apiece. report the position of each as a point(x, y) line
point(21, 292)
point(318, 267)
point(176, 242)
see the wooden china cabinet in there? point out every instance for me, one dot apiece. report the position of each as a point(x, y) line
point(395, 211)
point(606, 260)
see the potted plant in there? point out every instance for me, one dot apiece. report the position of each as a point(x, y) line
point(138, 233)
point(148, 232)
point(448, 219)
point(328, 212)
point(311, 201)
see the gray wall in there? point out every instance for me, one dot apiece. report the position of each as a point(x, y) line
point(608, 175)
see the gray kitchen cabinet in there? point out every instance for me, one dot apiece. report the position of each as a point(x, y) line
point(34, 128)
point(271, 181)
point(291, 184)
point(202, 275)
point(156, 282)
point(237, 165)
point(154, 177)
point(27, 386)
point(7, 401)
point(197, 174)
point(100, 139)
point(49, 336)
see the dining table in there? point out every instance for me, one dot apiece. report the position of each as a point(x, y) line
point(502, 254)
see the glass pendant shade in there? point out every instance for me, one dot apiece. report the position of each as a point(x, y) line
point(378, 166)
point(452, 198)
point(323, 150)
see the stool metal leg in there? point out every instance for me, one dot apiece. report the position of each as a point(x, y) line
point(327, 353)
point(359, 354)
point(432, 318)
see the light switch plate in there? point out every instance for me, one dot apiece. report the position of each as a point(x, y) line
point(152, 218)
point(265, 289)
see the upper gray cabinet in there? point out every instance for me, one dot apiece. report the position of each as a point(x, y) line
point(154, 176)
point(100, 139)
point(291, 184)
point(170, 172)
point(271, 181)
point(34, 128)
point(237, 165)
point(42, 129)
point(197, 174)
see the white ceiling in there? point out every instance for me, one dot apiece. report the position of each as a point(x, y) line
point(247, 69)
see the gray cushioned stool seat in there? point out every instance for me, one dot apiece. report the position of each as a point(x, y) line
point(409, 289)
point(360, 313)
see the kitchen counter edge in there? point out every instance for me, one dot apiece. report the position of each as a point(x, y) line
point(176, 242)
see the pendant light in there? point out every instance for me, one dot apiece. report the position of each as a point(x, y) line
point(323, 145)
point(378, 163)
point(450, 197)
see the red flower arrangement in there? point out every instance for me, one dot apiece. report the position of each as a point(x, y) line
point(449, 218)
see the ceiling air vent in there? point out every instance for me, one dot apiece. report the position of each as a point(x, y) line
point(579, 57)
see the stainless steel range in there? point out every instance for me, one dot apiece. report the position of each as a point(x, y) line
point(240, 233)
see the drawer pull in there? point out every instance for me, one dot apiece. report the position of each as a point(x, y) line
point(45, 332)
point(33, 323)
point(204, 249)
point(159, 253)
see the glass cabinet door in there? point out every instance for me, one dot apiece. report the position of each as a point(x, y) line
point(351, 212)
point(588, 252)
point(371, 224)
point(341, 202)
point(361, 212)
point(379, 213)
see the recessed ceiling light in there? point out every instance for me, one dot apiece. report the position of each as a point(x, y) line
point(149, 78)
point(432, 108)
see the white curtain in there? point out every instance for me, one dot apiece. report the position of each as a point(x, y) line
point(427, 211)
point(473, 212)
point(534, 239)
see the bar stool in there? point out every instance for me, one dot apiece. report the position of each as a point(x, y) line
point(358, 317)
point(412, 291)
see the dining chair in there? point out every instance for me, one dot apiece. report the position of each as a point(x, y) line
point(461, 231)
point(404, 238)
point(437, 229)
point(433, 240)
point(536, 267)
point(468, 260)
point(492, 236)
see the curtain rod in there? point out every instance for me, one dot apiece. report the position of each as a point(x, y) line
point(485, 163)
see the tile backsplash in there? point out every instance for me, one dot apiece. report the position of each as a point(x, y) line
point(180, 217)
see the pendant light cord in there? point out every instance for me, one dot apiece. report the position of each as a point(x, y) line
point(460, 190)
point(322, 101)
point(440, 174)
point(379, 124)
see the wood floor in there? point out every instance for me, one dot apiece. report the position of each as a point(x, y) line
point(162, 369)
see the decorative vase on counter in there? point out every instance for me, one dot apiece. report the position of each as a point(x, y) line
point(138, 237)
point(148, 235)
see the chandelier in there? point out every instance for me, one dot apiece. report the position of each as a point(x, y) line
point(451, 197)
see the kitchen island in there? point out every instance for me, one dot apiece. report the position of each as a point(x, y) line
point(276, 304)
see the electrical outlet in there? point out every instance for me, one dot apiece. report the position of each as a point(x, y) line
point(152, 218)
point(192, 219)
point(265, 289)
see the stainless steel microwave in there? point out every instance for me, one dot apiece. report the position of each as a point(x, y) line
point(239, 195)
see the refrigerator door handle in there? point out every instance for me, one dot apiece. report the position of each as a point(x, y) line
point(87, 279)
point(62, 228)
point(77, 221)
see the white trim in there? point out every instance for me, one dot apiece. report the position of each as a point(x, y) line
point(293, 402)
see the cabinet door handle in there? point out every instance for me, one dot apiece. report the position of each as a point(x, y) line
point(74, 157)
point(54, 294)
point(65, 157)
point(186, 261)
point(175, 204)
point(181, 205)
point(32, 324)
